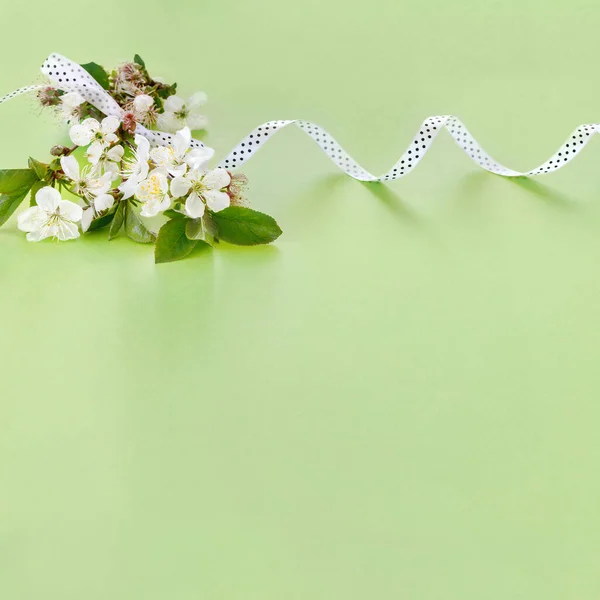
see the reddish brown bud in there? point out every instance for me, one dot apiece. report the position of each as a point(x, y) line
point(129, 122)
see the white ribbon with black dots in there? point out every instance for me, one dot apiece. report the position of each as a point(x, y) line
point(69, 76)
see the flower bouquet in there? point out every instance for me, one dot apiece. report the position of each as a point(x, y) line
point(140, 161)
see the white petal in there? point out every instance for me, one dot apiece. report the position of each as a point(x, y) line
point(169, 122)
point(103, 202)
point(86, 219)
point(94, 152)
point(49, 230)
point(109, 124)
point(143, 147)
point(48, 199)
point(91, 124)
point(194, 207)
point(129, 187)
point(66, 231)
point(163, 182)
point(80, 135)
point(180, 186)
point(70, 166)
point(162, 156)
point(110, 138)
point(165, 204)
point(70, 211)
point(181, 141)
point(32, 219)
point(100, 185)
point(216, 200)
point(115, 154)
point(178, 171)
point(173, 104)
point(198, 157)
point(143, 168)
point(197, 121)
point(217, 179)
point(196, 100)
point(106, 180)
point(112, 168)
point(151, 208)
point(37, 235)
point(143, 102)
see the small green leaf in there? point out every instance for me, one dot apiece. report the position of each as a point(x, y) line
point(40, 169)
point(194, 229)
point(102, 221)
point(14, 186)
point(117, 222)
point(98, 73)
point(137, 59)
point(35, 188)
point(172, 243)
point(165, 91)
point(173, 214)
point(245, 227)
point(135, 228)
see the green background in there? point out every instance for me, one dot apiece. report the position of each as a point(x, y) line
point(399, 399)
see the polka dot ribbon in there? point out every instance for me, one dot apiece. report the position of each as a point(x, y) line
point(69, 76)
point(416, 150)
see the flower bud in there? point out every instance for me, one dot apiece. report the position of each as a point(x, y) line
point(129, 122)
point(59, 151)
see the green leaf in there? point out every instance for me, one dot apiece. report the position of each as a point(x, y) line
point(14, 185)
point(194, 229)
point(137, 59)
point(13, 180)
point(102, 221)
point(35, 188)
point(172, 243)
point(40, 169)
point(245, 227)
point(135, 228)
point(167, 90)
point(173, 214)
point(117, 222)
point(98, 73)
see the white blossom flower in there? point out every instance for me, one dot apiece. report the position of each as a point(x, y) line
point(142, 109)
point(153, 192)
point(52, 217)
point(179, 113)
point(91, 187)
point(69, 105)
point(99, 135)
point(135, 169)
point(175, 159)
point(203, 188)
point(108, 160)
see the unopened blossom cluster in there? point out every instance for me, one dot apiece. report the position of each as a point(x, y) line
point(120, 165)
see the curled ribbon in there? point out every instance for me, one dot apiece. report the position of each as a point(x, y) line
point(67, 75)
